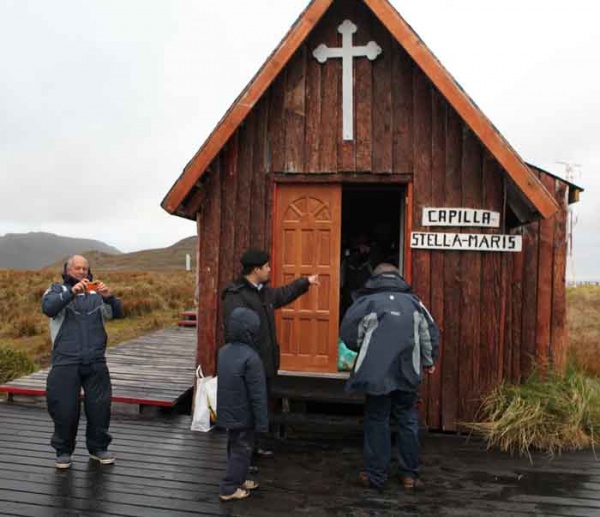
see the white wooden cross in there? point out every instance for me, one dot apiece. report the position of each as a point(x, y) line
point(371, 50)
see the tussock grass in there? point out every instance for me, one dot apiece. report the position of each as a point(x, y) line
point(552, 414)
point(14, 363)
point(151, 300)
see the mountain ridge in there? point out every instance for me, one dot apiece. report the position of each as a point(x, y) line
point(43, 250)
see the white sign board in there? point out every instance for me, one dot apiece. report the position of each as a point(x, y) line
point(460, 217)
point(466, 241)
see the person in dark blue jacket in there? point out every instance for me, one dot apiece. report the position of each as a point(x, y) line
point(396, 339)
point(241, 400)
point(78, 309)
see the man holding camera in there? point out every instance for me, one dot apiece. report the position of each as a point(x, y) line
point(78, 309)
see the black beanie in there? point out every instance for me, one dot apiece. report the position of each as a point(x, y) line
point(254, 258)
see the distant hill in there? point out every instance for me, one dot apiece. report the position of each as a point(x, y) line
point(172, 257)
point(36, 249)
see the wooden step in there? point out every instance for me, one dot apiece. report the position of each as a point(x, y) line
point(186, 323)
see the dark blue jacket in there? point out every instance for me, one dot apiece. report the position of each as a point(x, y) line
point(77, 324)
point(394, 334)
point(241, 382)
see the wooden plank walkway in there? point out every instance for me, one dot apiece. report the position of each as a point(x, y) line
point(156, 369)
point(165, 470)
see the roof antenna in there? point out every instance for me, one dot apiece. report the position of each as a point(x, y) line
point(573, 172)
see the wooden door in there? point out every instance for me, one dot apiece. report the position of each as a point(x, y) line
point(306, 240)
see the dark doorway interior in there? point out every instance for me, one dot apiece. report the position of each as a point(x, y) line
point(372, 232)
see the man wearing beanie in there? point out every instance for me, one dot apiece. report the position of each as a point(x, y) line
point(251, 290)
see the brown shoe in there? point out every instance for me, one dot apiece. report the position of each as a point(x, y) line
point(410, 482)
point(249, 484)
point(363, 480)
point(240, 493)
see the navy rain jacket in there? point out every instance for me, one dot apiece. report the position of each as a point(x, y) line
point(241, 382)
point(77, 324)
point(394, 335)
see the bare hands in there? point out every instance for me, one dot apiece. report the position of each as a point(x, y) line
point(103, 290)
point(313, 280)
point(80, 287)
point(429, 369)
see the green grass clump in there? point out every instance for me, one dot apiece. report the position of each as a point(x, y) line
point(14, 363)
point(550, 414)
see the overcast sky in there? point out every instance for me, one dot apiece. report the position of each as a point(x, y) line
point(103, 102)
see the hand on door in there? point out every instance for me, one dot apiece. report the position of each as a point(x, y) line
point(313, 280)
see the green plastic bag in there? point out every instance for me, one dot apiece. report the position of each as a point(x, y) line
point(346, 357)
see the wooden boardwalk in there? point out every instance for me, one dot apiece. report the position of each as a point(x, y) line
point(156, 369)
point(165, 470)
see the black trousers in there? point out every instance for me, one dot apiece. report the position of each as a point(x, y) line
point(240, 443)
point(63, 388)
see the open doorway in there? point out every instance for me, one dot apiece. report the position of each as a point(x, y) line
point(372, 232)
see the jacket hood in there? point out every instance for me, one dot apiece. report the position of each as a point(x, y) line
point(243, 326)
point(385, 282)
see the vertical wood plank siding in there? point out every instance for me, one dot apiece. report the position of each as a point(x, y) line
point(438, 198)
point(496, 311)
point(470, 263)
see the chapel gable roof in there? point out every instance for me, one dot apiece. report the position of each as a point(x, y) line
point(525, 181)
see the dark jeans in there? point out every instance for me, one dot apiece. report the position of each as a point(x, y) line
point(63, 396)
point(378, 446)
point(240, 443)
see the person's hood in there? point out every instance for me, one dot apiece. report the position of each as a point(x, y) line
point(385, 282)
point(243, 326)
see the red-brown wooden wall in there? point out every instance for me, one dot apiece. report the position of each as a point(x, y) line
point(496, 311)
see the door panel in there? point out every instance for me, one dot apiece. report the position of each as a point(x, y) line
point(306, 240)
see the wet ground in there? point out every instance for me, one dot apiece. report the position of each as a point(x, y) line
point(163, 469)
point(462, 479)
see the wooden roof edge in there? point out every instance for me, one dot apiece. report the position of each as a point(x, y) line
point(247, 99)
point(527, 183)
point(571, 185)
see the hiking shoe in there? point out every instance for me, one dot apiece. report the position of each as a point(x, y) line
point(264, 453)
point(410, 482)
point(63, 461)
point(240, 493)
point(363, 480)
point(103, 457)
point(250, 484)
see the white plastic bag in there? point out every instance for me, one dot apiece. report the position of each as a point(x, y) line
point(205, 402)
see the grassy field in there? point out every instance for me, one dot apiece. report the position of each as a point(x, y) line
point(583, 320)
point(151, 300)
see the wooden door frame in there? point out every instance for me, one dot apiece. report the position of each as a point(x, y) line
point(319, 178)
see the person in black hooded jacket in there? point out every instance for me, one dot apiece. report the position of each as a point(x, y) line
point(241, 400)
point(78, 309)
point(396, 338)
point(251, 290)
